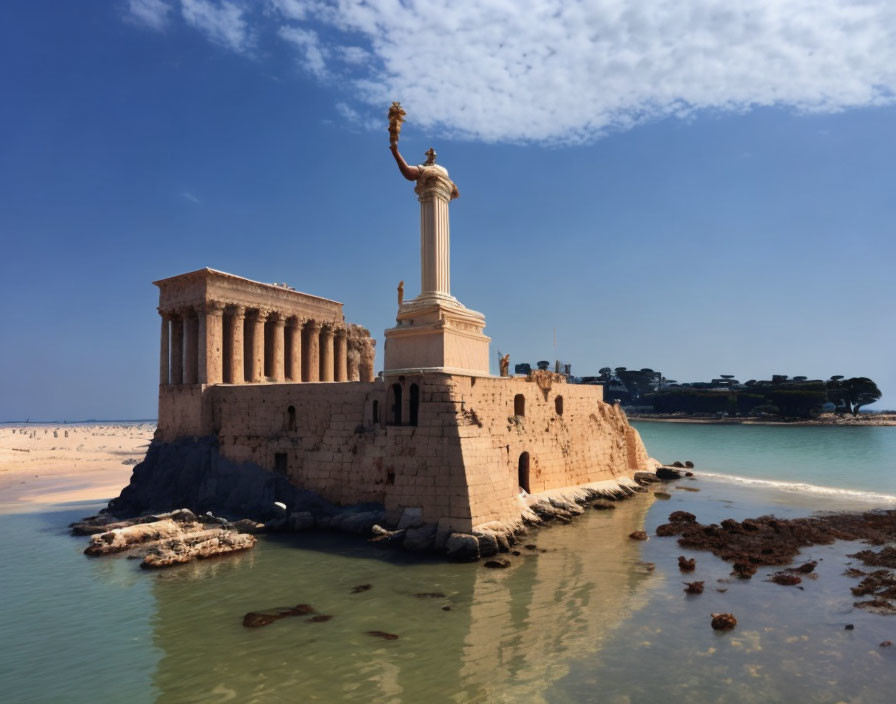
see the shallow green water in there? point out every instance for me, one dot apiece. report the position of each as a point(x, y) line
point(585, 620)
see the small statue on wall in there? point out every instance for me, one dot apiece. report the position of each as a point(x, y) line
point(505, 365)
point(400, 293)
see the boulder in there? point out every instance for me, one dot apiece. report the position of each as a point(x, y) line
point(488, 544)
point(420, 538)
point(411, 518)
point(668, 473)
point(462, 547)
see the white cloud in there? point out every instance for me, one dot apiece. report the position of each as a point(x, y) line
point(190, 197)
point(309, 48)
point(222, 22)
point(560, 70)
point(152, 13)
point(571, 70)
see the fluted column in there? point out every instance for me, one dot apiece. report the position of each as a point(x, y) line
point(256, 321)
point(294, 348)
point(177, 350)
point(238, 320)
point(435, 190)
point(211, 343)
point(367, 359)
point(340, 352)
point(311, 353)
point(277, 343)
point(191, 347)
point(326, 353)
point(164, 349)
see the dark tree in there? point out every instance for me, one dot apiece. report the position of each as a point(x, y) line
point(859, 391)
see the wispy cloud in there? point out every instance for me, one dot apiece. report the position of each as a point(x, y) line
point(151, 13)
point(190, 197)
point(310, 50)
point(222, 22)
point(552, 71)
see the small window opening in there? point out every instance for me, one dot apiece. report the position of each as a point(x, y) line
point(280, 463)
point(414, 404)
point(523, 472)
point(291, 418)
point(395, 411)
point(390, 478)
point(376, 411)
point(558, 405)
point(519, 405)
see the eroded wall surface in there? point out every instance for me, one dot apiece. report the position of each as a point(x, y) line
point(455, 452)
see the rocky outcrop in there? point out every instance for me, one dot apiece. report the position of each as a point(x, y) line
point(171, 539)
point(192, 473)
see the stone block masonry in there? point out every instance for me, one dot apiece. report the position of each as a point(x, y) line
point(460, 448)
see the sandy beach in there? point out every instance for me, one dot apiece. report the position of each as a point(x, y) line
point(54, 464)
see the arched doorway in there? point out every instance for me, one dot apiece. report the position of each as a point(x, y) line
point(395, 405)
point(523, 472)
point(413, 404)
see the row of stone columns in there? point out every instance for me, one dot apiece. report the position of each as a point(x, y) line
point(214, 343)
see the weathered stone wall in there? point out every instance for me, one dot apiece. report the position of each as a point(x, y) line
point(459, 463)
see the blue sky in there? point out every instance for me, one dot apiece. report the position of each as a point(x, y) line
point(667, 185)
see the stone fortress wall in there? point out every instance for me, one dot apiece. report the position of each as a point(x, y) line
point(456, 447)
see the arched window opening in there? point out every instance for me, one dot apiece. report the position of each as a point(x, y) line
point(395, 409)
point(291, 418)
point(376, 411)
point(281, 463)
point(523, 472)
point(558, 405)
point(519, 405)
point(414, 404)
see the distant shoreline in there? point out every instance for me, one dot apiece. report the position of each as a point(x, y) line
point(883, 418)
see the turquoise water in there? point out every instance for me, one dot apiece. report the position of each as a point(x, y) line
point(853, 460)
point(583, 618)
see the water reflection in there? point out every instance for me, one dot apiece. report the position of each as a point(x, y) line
point(506, 636)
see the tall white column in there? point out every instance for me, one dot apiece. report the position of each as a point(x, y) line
point(434, 190)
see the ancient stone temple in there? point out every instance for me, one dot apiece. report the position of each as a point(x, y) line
point(277, 382)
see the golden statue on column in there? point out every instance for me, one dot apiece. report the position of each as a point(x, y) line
point(434, 331)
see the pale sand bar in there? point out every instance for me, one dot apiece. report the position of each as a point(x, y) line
point(51, 464)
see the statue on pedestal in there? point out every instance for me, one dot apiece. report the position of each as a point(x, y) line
point(427, 174)
point(400, 293)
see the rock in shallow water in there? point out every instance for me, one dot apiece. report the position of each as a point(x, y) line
point(256, 619)
point(383, 635)
point(723, 622)
point(686, 564)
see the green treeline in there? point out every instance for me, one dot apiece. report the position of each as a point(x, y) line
point(796, 397)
